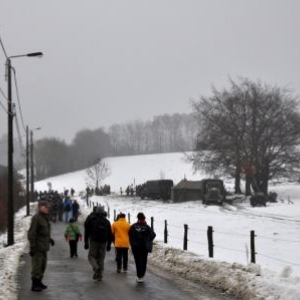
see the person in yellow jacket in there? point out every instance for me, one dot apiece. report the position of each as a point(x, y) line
point(120, 230)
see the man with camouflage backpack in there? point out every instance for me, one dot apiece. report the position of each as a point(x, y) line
point(98, 239)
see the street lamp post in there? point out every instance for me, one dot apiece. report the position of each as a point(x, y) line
point(29, 169)
point(10, 150)
point(10, 177)
point(27, 173)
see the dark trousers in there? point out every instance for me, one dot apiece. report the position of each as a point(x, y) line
point(75, 215)
point(73, 248)
point(140, 258)
point(96, 255)
point(38, 265)
point(122, 257)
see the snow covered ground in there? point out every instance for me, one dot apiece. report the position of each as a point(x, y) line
point(277, 227)
point(10, 256)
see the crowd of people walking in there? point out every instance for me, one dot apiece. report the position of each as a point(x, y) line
point(99, 235)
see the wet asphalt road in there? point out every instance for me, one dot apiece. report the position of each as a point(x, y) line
point(72, 279)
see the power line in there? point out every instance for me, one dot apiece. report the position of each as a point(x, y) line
point(4, 96)
point(3, 107)
point(18, 98)
point(3, 48)
point(22, 147)
point(6, 141)
point(1, 104)
point(4, 153)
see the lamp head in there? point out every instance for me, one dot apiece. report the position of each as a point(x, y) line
point(40, 54)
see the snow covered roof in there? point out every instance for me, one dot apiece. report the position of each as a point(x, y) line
point(188, 185)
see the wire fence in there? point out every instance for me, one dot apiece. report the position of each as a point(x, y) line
point(171, 231)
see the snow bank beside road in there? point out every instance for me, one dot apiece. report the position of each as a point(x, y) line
point(247, 282)
point(10, 256)
point(244, 282)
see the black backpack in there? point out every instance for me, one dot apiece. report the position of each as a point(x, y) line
point(100, 229)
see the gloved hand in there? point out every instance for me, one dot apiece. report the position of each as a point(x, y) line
point(52, 242)
point(86, 246)
point(31, 252)
point(108, 248)
point(66, 238)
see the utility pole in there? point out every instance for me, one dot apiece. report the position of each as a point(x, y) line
point(10, 166)
point(27, 173)
point(31, 167)
point(10, 150)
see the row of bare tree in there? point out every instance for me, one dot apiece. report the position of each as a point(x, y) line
point(249, 129)
point(168, 133)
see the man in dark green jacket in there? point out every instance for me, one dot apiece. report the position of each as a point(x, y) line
point(39, 236)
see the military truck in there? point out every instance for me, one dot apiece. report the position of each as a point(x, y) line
point(212, 191)
point(156, 189)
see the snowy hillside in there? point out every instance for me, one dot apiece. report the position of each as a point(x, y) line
point(276, 226)
point(276, 275)
point(127, 170)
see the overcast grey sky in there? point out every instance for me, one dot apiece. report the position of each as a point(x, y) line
point(109, 62)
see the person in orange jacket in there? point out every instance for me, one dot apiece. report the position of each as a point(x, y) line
point(120, 230)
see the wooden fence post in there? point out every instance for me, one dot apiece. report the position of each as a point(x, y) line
point(115, 215)
point(210, 241)
point(152, 223)
point(252, 246)
point(185, 237)
point(129, 218)
point(166, 233)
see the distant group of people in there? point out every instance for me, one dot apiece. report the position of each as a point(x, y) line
point(61, 206)
point(130, 190)
point(98, 191)
point(99, 234)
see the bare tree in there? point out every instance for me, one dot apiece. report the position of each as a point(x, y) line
point(250, 129)
point(97, 173)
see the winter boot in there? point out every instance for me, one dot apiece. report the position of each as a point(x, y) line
point(35, 286)
point(99, 276)
point(43, 286)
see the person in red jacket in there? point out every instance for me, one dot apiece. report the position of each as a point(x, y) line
point(120, 230)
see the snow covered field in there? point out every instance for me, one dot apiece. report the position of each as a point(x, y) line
point(277, 227)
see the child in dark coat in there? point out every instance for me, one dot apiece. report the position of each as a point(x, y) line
point(73, 235)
